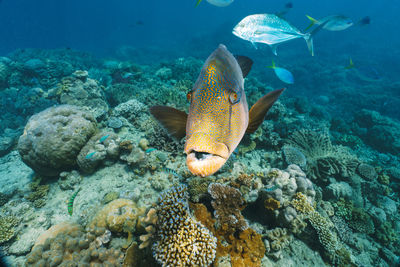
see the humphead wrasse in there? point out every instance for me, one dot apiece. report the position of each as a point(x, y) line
point(218, 114)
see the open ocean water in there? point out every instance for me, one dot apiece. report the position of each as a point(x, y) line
point(126, 137)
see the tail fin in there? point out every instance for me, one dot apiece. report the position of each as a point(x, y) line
point(309, 37)
point(313, 22)
point(272, 66)
point(198, 3)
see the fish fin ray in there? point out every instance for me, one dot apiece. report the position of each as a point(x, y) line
point(260, 109)
point(172, 119)
point(245, 64)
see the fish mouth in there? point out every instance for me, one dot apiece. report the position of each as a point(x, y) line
point(206, 159)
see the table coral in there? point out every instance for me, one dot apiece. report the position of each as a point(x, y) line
point(228, 203)
point(182, 241)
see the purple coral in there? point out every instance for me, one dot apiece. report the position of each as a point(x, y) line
point(227, 203)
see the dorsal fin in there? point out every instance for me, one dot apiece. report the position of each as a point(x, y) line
point(245, 64)
point(172, 119)
point(260, 109)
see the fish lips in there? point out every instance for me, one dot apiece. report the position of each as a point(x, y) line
point(205, 158)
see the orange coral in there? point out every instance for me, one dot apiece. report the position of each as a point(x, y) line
point(246, 249)
point(272, 204)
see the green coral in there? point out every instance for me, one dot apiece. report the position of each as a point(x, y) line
point(7, 228)
point(386, 234)
point(323, 158)
point(38, 194)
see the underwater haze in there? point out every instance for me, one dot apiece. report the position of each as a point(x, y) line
point(199, 133)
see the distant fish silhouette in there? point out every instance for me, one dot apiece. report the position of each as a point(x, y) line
point(286, 9)
point(351, 65)
point(364, 21)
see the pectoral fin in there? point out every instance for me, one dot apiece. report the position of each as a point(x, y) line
point(260, 109)
point(172, 119)
point(245, 64)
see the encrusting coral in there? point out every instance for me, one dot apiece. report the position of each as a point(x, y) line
point(181, 240)
point(228, 203)
point(67, 244)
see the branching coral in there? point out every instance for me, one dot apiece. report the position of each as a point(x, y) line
point(227, 203)
point(323, 158)
point(7, 228)
point(182, 241)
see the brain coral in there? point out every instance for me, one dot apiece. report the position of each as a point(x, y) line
point(53, 138)
point(119, 215)
point(182, 241)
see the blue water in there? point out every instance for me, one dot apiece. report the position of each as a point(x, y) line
point(151, 51)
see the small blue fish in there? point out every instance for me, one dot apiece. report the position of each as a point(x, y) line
point(150, 150)
point(104, 138)
point(272, 188)
point(88, 156)
point(283, 74)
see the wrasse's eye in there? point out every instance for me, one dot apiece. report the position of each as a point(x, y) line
point(233, 98)
point(189, 96)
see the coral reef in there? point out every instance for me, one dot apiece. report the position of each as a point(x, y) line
point(120, 215)
point(69, 245)
point(323, 158)
point(227, 203)
point(38, 194)
point(7, 228)
point(182, 241)
point(53, 138)
point(101, 148)
point(275, 240)
point(293, 155)
point(367, 172)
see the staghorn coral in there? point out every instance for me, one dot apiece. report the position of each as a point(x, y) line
point(7, 228)
point(323, 158)
point(227, 203)
point(243, 249)
point(182, 241)
point(68, 245)
point(118, 216)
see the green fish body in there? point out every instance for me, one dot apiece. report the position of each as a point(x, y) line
point(71, 202)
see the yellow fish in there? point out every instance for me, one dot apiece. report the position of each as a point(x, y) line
point(218, 113)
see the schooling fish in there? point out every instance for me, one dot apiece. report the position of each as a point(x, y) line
point(71, 202)
point(283, 74)
point(220, 3)
point(272, 30)
point(332, 23)
point(218, 113)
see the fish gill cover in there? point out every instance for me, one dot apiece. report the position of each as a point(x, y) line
point(88, 175)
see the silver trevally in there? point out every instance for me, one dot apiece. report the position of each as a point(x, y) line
point(332, 23)
point(220, 3)
point(283, 74)
point(272, 30)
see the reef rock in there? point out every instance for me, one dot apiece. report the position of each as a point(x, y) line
point(53, 138)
